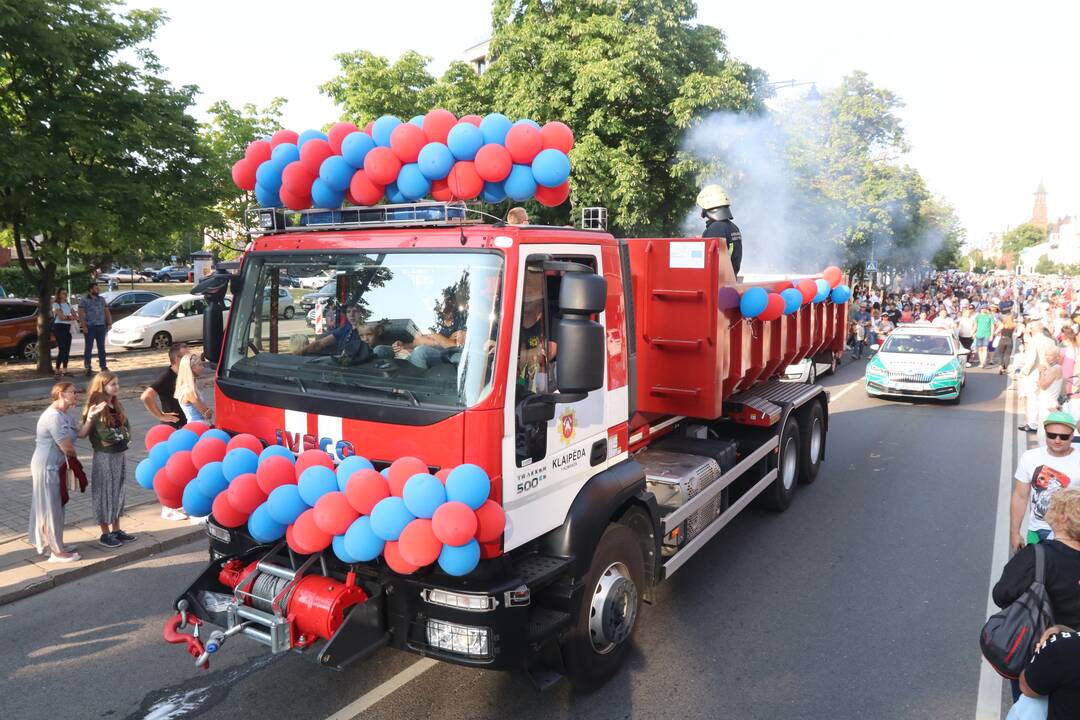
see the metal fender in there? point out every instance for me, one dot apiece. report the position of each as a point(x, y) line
point(594, 507)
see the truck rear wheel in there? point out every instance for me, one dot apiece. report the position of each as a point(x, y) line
point(813, 444)
point(595, 648)
point(777, 497)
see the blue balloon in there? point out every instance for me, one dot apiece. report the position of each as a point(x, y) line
point(394, 195)
point(380, 131)
point(145, 472)
point(285, 504)
point(268, 175)
point(417, 120)
point(494, 127)
point(460, 560)
point(336, 172)
point(285, 153)
point(494, 192)
point(239, 461)
point(792, 300)
point(182, 439)
point(412, 183)
point(277, 451)
point(435, 161)
point(267, 198)
point(464, 140)
point(527, 121)
point(841, 294)
point(361, 542)
point(264, 528)
point(216, 433)
point(469, 484)
point(342, 553)
point(388, 518)
point(423, 494)
point(211, 479)
point(551, 168)
point(355, 147)
point(315, 482)
point(753, 302)
point(349, 466)
point(323, 196)
point(160, 453)
point(195, 503)
point(822, 290)
point(520, 185)
point(309, 135)
point(385, 472)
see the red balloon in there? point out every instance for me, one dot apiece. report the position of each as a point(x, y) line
point(245, 494)
point(553, 196)
point(197, 427)
point(443, 474)
point(440, 190)
point(308, 535)
point(166, 492)
point(334, 514)
point(284, 136)
point(464, 182)
point(311, 458)
point(181, 469)
point(418, 544)
point(365, 489)
point(274, 472)
point(245, 440)
point(367, 128)
point(362, 191)
point(337, 135)
point(524, 142)
point(296, 179)
point(557, 135)
point(401, 470)
point(225, 514)
point(774, 308)
point(406, 141)
point(258, 151)
point(158, 433)
point(312, 155)
point(833, 275)
point(206, 451)
point(437, 125)
point(490, 521)
point(293, 201)
point(454, 523)
point(243, 174)
point(493, 163)
point(392, 555)
point(808, 288)
point(382, 165)
point(471, 119)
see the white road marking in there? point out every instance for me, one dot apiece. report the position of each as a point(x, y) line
point(387, 688)
point(851, 386)
point(988, 702)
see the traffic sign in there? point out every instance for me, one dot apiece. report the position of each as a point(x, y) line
point(871, 266)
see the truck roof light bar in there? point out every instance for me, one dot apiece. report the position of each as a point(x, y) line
point(267, 221)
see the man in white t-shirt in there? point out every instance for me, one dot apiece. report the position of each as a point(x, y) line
point(1041, 472)
point(943, 320)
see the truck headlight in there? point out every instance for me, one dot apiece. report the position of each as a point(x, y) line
point(460, 639)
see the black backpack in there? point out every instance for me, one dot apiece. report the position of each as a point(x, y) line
point(1009, 636)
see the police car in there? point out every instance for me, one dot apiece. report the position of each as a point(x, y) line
point(919, 361)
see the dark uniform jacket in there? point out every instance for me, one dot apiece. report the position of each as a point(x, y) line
point(730, 232)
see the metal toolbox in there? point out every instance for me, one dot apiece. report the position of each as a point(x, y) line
point(674, 478)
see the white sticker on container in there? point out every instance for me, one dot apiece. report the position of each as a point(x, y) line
point(687, 255)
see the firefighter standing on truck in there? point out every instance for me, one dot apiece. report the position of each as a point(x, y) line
point(716, 209)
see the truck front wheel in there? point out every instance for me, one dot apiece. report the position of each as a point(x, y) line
point(594, 649)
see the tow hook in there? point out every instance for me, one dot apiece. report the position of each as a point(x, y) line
point(195, 647)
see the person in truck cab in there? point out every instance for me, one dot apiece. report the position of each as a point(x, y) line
point(533, 357)
point(345, 342)
point(426, 350)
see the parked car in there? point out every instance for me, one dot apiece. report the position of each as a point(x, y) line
point(18, 329)
point(286, 308)
point(287, 280)
point(149, 272)
point(316, 281)
point(173, 273)
point(329, 290)
point(121, 275)
point(169, 319)
point(125, 302)
point(808, 371)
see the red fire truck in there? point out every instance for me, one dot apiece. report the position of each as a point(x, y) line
point(623, 417)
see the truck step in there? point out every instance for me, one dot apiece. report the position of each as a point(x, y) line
point(539, 571)
point(545, 623)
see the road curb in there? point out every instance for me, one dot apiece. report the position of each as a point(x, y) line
point(39, 387)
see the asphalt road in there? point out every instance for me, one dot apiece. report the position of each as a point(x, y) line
point(863, 600)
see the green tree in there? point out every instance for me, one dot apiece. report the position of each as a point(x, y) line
point(1046, 266)
point(101, 154)
point(1023, 236)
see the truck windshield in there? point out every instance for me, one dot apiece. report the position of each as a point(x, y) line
point(399, 327)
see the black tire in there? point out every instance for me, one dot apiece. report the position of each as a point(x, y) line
point(290, 313)
point(777, 497)
point(811, 377)
point(834, 363)
point(612, 603)
point(161, 341)
point(813, 444)
point(28, 349)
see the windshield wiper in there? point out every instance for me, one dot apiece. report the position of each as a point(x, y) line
point(396, 393)
point(297, 380)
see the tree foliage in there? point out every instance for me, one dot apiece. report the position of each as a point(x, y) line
point(101, 155)
point(1023, 236)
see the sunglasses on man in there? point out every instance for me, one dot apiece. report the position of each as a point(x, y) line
point(1059, 436)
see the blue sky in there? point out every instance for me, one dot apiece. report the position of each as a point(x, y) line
point(991, 88)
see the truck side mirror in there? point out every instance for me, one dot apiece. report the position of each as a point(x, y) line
point(581, 341)
point(582, 294)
